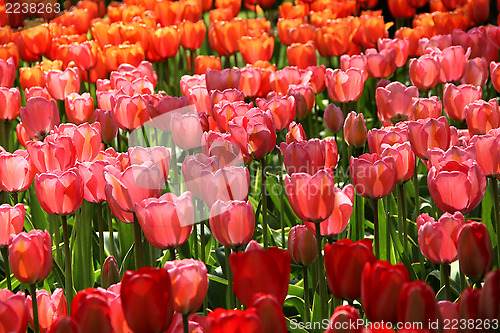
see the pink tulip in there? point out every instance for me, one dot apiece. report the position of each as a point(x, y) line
point(16, 171)
point(180, 124)
point(456, 99)
point(422, 108)
point(281, 109)
point(345, 86)
point(39, 116)
point(424, 72)
point(11, 221)
point(476, 72)
point(10, 103)
point(404, 160)
point(355, 129)
point(161, 110)
point(309, 156)
point(157, 155)
point(130, 112)
point(389, 135)
point(373, 176)
point(54, 153)
point(93, 179)
point(86, 139)
point(482, 116)
point(229, 183)
point(426, 134)
point(452, 61)
point(354, 61)
point(221, 80)
point(61, 84)
point(394, 102)
point(400, 45)
point(232, 222)
point(302, 245)
point(7, 72)
point(109, 128)
point(13, 315)
point(79, 108)
point(192, 168)
point(380, 64)
point(50, 307)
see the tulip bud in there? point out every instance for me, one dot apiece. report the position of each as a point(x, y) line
point(302, 245)
point(355, 129)
point(110, 272)
point(333, 118)
point(475, 252)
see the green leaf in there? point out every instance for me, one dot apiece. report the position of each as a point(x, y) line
point(38, 216)
point(486, 211)
point(297, 303)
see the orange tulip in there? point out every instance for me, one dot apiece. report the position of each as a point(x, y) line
point(9, 50)
point(332, 40)
point(302, 34)
point(412, 36)
point(258, 48)
point(192, 34)
point(235, 5)
point(202, 63)
point(229, 33)
point(136, 33)
point(288, 10)
point(301, 55)
point(166, 41)
point(401, 9)
point(284, 26)
point(105, 33)
point(37, 39)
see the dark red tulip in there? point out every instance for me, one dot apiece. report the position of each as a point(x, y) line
point(302, 245)
point(147, 300)
point(344, 263)
point(489, 300)
point(233, 321)
point(91, 311)
point(416, 304)
point(344, 319)
point(270, 313)
point(260, 271)
point(475, 252)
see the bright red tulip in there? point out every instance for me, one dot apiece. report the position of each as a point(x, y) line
point(373, 176)
point(482, 116)
point(59, 192)
point(259, 271)
point(13, 315)
point(345, 318)
point(345, 86)
point(91, 311)
point(61, 84)
point(147, 299)
point(10, 103)
point(39, 117)
point(11, 221)
point(416, 304)
point(16, 171)
point(394, 102)
point(426, 134)
point(309, 156)
point(302, 245)
point(422, 108)
point(226, 321)
point(438, 239)
point(355, 129)
point(339, 218)
point(270, 313)
point(54, 153)
point(79, 108)
point(475, 252)
point(456, 186)
point(333, 118)
point(189, 284)
point(50, 307)
point(229, 183)
point(312, 197)
point(30, 255)
point(468, 305)
point(232, 222)
point(424, 72)
point(381, 283)
point(344, 263)
point(167, 221)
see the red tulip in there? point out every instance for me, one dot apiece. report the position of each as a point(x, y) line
point(167, 221)
point(344, 319)
point(345, 86)
point(39, 116)
point(438, 240)
point(489, 300)
point(381, 283)
point(147, 299)
point(228, 78)
point(394, 102)
point(16, 171)
point(404, 160)
point(254, 133)
point(64, 325)
point(339, 218)
point(189, 284)
point(344, 262)
point(373, 176)
point(309, 156)
point(11, 221)
point(10, 103)
point(86, 138)
point(355, 129)
point(109, 128)
point(79, 108)
point(91, 311)
point(416, 304)
point(333, 118)
point(61, 84)
point(456, 186)
point(311, 196)
point(302, 245)
point(232, 222)
point(13, 315)
point(260, 271)
point(482, 116)
point(30, 255)
point(426, 134)
point(423, 108)
point(475, 252)
point(270, 313)
point(50, 307)
point(59, 192)
point(229, 183)
point(232, 321)
point(424, 72)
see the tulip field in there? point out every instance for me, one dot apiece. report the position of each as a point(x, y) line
point(249, 166)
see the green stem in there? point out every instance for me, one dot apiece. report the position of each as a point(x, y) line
point(494, 188)
point(307, 304)
point(445, 280)
point(5, 129)
point(174, 166)
point(111, 233)
point(360, 226)
point(402, 212)
point(5, 254)
point(202, 231)
point(34, 304)
point(100, 227)
point(282, 200)
point(376, 228)
point(185, 322)
point(417, 190)
point(67, 262)
point(139, 258)
point(229, 274)
point(321, 275)
point(264, 201)
point(166, 68)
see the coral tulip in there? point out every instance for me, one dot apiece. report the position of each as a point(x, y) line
point(456, 99)
point(424, 72)
point(232, 222)
point(394, 102)
point(39, 116)
point(426, 134)
point(10, 103)
point(11, 221)
point(229, 183)
point(404, 160)
point(130, 111)
point(54, 153)
point(61, 84)
point(50, 307)
point(373, 176)
point(344, 86)
point(476, 72)
point(423, 108)
point(355, 129)
point(79, 108)
point(301, 55)
point(380, 64)
point(16, 171)
point(482, 116)
point(309, 156)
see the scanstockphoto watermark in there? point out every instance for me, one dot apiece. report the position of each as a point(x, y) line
point(356, 325)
